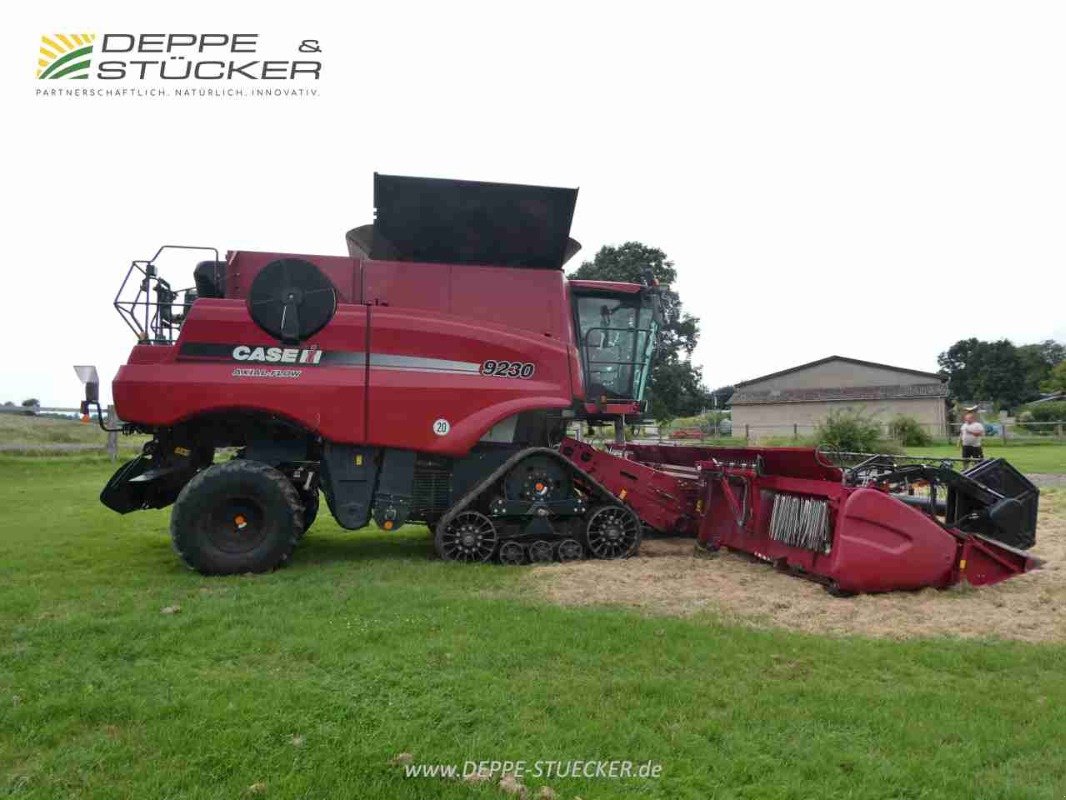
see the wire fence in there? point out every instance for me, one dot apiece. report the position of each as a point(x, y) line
point(1004, 431)
point(784, 433)
point(109, 441)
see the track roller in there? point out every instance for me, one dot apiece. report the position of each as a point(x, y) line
point(512, 554)
point(541, 551)
point(570, 550)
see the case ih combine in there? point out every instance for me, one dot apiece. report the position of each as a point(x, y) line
point(427, 377)
point(430, 376)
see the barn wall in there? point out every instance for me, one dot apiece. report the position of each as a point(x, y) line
point(777, 419)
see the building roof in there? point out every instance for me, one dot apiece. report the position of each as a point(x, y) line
point(1048, 398)
point(856, 361)
point(750, 397)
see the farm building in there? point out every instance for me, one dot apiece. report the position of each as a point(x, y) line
point(799, 398)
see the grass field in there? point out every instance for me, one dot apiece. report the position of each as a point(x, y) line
point(20, 429)
point(1039, 457)
point(307, 682)
point(32, 432)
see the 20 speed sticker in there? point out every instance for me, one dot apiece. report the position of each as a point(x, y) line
point(508, 369)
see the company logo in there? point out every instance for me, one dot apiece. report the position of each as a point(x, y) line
point(176, 57)
point(65, 55)
point(277, 355)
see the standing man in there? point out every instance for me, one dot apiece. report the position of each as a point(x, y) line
point(972, 435)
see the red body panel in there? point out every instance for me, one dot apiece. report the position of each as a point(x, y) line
point(413, 339)
point(345, 273)
point(880, 545)
point(155, 387)
point(613, 286)
point(665, 499)
point(405, 397)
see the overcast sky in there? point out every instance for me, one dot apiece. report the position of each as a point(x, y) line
point(873, 180)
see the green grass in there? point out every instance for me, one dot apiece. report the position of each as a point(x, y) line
point(366, 647)
point(35, 432)
point(1044, 457)
point(20, 429)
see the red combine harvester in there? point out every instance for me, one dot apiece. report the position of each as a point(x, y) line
point(881, 525)
point(429, 376)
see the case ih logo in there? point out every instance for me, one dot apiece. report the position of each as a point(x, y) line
point(277, 355)
point(65, 55)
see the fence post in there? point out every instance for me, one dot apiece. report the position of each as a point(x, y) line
point(1003, 431)
point(112, 436)
point(1058, 431)
point(795, 431)
point(747, 433)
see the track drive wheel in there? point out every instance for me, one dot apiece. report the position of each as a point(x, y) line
point(240, 516)
point(537, 478)
point(613, 532)
point(468, 536)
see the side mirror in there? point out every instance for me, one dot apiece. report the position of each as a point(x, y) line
point(89, 377)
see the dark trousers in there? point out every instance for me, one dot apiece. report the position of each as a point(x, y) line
point(972, 452)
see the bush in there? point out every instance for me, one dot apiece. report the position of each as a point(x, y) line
point(1055, 411)
point(849, 431)
point(909, 432)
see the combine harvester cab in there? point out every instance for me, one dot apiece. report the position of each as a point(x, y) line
point(878, 526)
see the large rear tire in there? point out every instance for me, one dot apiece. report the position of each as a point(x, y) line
point(240, 516)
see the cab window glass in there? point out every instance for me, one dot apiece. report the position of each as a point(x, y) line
point(616, 338)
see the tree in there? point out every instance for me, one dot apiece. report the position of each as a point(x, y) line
point(675, 386)
point(31, 402)
point(1038, 360)
point(978, 370)
point(677, 390)
point(1056, 379)
point(720, 397)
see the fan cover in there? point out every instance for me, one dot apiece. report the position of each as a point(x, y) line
point(291, 299)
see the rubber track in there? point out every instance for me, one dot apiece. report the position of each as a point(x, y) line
point(469, 497)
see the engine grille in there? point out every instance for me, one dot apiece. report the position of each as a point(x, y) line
point(432, 486)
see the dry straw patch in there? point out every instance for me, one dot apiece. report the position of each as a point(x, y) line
point(666, 580)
